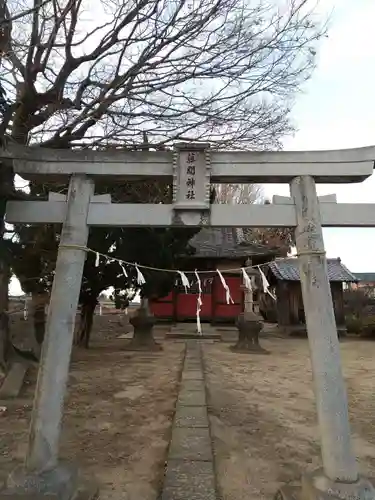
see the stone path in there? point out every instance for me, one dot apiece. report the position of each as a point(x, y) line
point(190, 467)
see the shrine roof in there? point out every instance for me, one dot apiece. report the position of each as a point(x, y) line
point(224, 242)
point(367, 277)
point(287, 270)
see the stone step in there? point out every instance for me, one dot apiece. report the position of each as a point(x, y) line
point(189, 331)
point(190, 335)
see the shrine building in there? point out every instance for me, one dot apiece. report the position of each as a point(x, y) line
point(288, 310)
point(230, 248)
point(215, 248)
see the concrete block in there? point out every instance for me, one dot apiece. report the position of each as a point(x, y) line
point(190, 444)
point(189, 480)
point(192, 335)
point(192, 375)
point(191, 416)
point(192, 365)
point(192, 355)
point(192, 385)
point(13, 382)
point(192, 398)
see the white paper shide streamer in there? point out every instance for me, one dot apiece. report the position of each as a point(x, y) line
point(123, 270)
point(246, 280)
point(97, 260)
point(184, 280)
point(265, 284)
point(140, 278)
point(226, 288)
point(199, 303)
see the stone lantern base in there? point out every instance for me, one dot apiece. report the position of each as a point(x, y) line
point(249, 326)
point(143, 322)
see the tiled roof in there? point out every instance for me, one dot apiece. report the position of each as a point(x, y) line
point(368, 277)
point(226, 243)
point(287, 270)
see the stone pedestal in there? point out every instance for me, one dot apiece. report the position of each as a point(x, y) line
point(59, 483)
point(317, 486)
point(249, 327)
point(143, 322)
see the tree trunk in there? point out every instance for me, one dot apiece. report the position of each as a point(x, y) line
point(38, 302)
point(143, 322)
point(6, 190)
point(86, 322)
point(5, 344)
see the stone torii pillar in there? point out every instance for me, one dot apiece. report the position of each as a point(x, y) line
point(42, 474)
point(339, 477)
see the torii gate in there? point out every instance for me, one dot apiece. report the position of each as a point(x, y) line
point(192, 167)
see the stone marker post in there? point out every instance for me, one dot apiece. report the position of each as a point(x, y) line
point(248, 293)
point(42, 473)
point(339, 477)
point(249, 323)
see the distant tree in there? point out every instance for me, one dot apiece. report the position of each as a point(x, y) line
point(162, 249)
point(33, 262)
point(96, 279)
point(357, 301)
point(282, 238)
point(4, 105)
point(238, 193)
point(122, 298)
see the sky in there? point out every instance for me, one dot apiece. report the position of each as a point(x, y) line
point(335, 111)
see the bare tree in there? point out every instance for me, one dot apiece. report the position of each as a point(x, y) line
point(281, 238)
point(79, 73)
point(108, 71)
point(238, 193)
point(6, 18)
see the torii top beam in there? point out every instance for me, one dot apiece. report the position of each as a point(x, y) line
point(336, 166)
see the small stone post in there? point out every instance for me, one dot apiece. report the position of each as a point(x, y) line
point(143, 322)
point(42, 473)
point(248, 294)
point(339, 478)
point(249, 324)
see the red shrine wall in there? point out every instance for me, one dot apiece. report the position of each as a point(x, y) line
point(181, 306)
